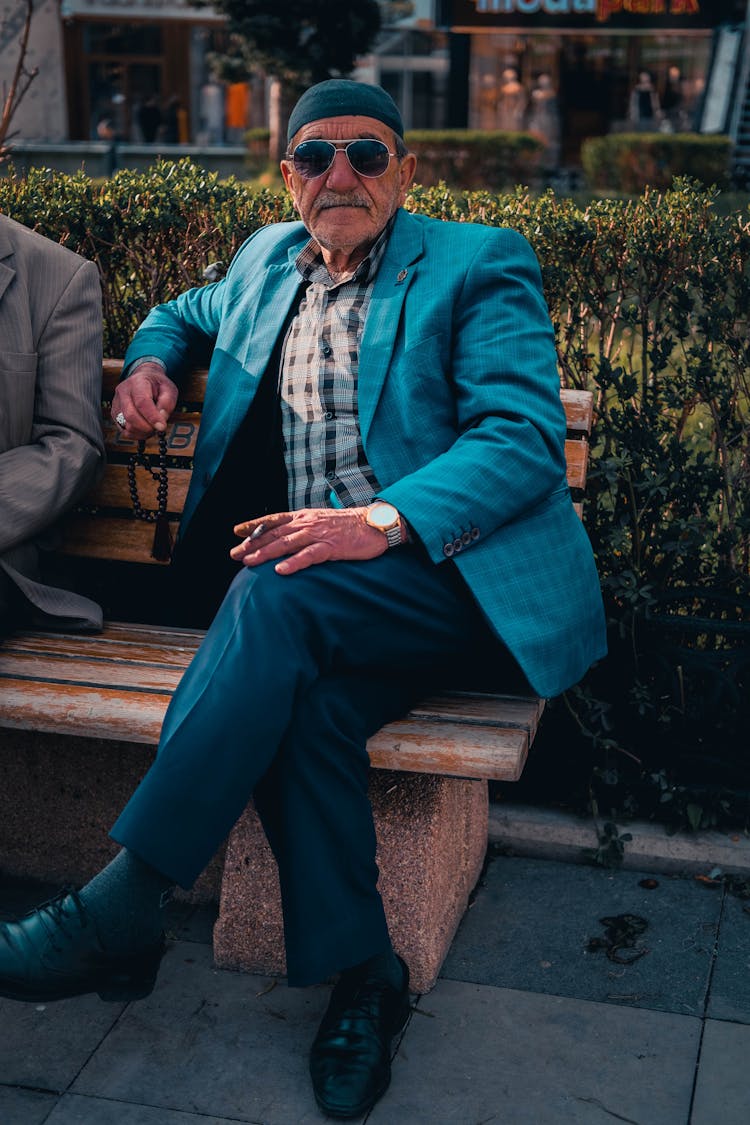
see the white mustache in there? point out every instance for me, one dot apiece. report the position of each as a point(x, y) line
point(329, 199)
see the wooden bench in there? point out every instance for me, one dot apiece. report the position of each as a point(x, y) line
point(82, 714)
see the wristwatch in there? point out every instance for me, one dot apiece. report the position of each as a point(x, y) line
point(385, 518)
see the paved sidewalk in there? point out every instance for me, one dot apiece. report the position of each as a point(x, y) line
point(526, 1026)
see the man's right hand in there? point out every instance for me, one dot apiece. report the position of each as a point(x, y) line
point(146, 399)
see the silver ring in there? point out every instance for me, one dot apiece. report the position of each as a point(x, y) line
point(121, 420)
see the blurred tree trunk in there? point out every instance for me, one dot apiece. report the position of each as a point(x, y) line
point(281, 99)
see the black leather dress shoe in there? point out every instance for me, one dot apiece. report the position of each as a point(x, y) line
point(350, 1059)
point(55, 952)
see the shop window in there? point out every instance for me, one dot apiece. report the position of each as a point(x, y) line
point(422, 100)
point(118, 92)
point(123, 39)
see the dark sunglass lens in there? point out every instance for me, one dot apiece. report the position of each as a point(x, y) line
point(368, 158)
point(312, 158)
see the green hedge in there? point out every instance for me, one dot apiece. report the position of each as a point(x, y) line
point(650, 301)
point(151, 233)
point(464, 158)
point(471, 159)
point(630, 162)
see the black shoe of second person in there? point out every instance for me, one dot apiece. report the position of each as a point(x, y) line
point(350, 1059)
point(55, 952)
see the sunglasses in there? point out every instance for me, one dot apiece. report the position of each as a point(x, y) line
point(368, 158)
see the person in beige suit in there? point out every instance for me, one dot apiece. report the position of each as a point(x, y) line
point(51, 447)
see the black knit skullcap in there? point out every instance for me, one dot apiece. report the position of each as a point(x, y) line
point(339, 97)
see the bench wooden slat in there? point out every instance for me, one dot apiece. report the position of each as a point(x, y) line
point(114, 490)
point(412, 745)
point(193, 387)
point(576, 460)
point(116, 636)
point(118, 685)
point(67, 670)
point(453, 750)
point(86, 712)
point(182, 433)
point(579, 410)
point(523, 711)
point(125, 540)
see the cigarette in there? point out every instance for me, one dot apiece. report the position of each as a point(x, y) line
point(256, 534)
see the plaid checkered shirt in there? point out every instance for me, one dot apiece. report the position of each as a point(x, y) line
point(323, 447)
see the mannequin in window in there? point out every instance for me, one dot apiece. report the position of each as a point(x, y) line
point(644, 111)
point(511, 103)
point(544, 120)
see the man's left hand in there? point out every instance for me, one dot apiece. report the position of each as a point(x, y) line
point(309, 536)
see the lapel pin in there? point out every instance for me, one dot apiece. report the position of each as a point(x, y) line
point(401, 276)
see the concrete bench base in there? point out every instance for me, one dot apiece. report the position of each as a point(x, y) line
point(59, 798)
point(432, 840)
point(60, 795)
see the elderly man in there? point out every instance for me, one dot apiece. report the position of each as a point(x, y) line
point(383, 404)
point(51, 447)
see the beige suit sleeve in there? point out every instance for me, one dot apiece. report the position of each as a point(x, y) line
point(42, 478)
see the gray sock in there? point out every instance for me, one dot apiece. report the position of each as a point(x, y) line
point(126, 900)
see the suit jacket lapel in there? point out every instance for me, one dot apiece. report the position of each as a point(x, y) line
point(280, 284)
point(395, 275)
point(229, 397)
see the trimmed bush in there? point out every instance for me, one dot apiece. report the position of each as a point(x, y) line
point(463, 158)
point(630, 162)
point(472, 159)
point(151, 233)
point(650, 301)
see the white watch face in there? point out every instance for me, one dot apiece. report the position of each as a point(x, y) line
point(382, 516)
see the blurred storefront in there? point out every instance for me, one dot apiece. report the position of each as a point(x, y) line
point(410, 60)
point(143, 66)
point(595, 66)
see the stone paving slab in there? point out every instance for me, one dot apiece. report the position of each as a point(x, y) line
point(730, 984)
point(44, 1046)
point(722, 1092)
point(479, 1054)
point(532, 919)
point(231, 1045)
point(24, 1107)
point(76, 1110)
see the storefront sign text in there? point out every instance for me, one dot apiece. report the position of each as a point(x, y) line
point(602, 9)
point(631, 14)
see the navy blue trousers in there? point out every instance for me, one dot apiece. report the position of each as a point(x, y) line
point(293, 676)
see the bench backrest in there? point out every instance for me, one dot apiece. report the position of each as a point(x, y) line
point(106, 528)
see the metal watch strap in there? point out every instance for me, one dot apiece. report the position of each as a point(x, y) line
point(393, 536)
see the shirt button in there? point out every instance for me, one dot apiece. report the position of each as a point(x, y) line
point(330, 474)
point(328, 415)
point(448, 550)
point(327, 350)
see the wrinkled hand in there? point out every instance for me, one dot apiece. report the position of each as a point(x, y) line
point(309, 536)
point(146, 398)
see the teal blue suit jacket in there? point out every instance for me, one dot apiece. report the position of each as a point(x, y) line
point(459, 409)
